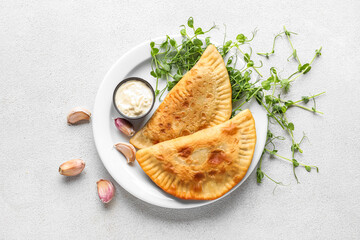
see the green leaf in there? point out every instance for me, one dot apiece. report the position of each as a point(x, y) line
point(303, 67)
point(295, 147)
point(295, 163)
point(166, 67)
point(318, 52)
point(171, 85)
point(225, 48)
point(269, 99)
point(305, 99)
point(230, 69)
point(199, 31)
point(279, 109)
point(271, 79)
point(153, 74)
point(229, 61)
point(266, 84)
point(289, 103)
point(259, 175)
point(197, 42)
point(246, 57)
point(163, 72)
point(307, 69)
point(177, 77)
point(241, 38)
point(228, 43)
point(207, 41)
point(259, 97)
point(183, 32)
point(164, 44)
point(273, 70)
point(308, 168)
point(152, 44)
point(197, 49)
point(291, 126)
point(250, 64)
point(273, 152)
point(294, 53)
point(157, 92)
point(154, 51)
point(285, 84)
point(172, 42)
point(190, 22)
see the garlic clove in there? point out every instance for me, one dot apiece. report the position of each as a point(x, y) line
point(124, 126)
point(127, 150)
point(78, 115)
point(72, 167)
point(106, 190)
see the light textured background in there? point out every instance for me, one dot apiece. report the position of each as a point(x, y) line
point(53, 56)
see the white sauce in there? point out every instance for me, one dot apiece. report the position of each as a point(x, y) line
point(134, 98)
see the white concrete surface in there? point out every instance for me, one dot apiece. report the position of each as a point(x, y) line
point(53, 56)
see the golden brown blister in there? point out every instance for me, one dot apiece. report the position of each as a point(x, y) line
point(201, 99)
point(206, 164)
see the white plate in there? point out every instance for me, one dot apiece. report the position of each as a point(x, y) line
point(136, 63)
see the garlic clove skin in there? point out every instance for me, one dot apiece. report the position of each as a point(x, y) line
point(72, 167)
point(106, 190)
point(77, 115)
point(125, 126)
point(127, 150)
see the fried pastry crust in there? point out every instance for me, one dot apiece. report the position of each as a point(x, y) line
point(201, 99)
point(204, 165)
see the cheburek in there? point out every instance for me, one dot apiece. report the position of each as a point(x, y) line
point(201, 99)
point(206, 164)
